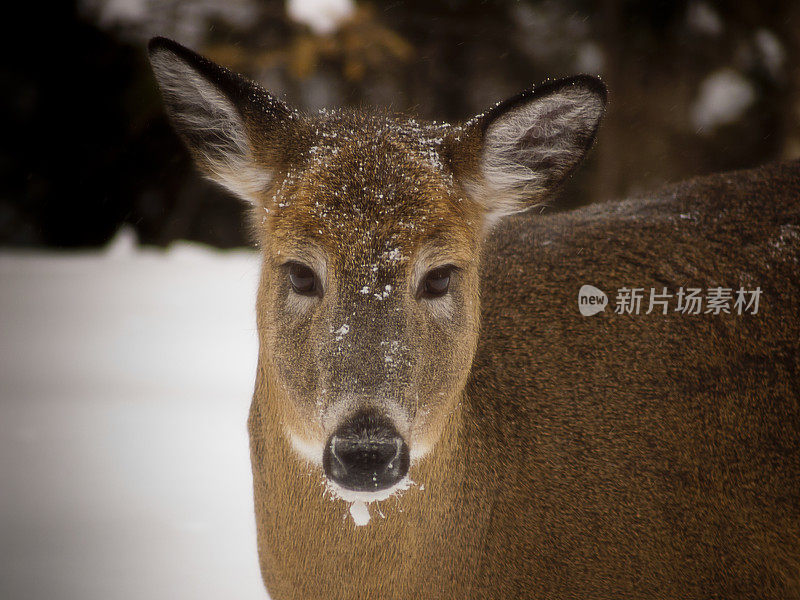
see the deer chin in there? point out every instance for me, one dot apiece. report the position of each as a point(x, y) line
point(340, 493)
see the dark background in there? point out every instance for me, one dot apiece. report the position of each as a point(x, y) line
point(696, 87)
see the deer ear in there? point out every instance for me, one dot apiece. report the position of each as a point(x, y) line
point(236, 131)
point(510, 157)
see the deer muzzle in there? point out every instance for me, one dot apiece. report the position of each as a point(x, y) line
point(366, 454)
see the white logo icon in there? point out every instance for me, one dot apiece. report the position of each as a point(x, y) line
point(591, 300)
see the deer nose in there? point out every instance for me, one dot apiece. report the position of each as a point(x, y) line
point(366, 454)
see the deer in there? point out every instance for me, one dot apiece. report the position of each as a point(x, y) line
point(433, 417)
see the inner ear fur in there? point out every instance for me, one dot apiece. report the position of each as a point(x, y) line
point(238, 133)
point(513, 155)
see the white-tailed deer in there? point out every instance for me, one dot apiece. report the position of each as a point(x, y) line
point(434, 418)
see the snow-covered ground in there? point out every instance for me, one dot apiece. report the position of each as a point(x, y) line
point(125, 379)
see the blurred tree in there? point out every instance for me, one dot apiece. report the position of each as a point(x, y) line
point(696, 86)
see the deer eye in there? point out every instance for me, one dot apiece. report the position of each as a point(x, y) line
point(303, 279)
point(436, 282)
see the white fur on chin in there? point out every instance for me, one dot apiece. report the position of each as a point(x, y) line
point(341, 493)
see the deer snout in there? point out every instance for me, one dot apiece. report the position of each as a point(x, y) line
point(366, 454)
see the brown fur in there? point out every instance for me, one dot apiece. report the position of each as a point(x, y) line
point(559, 456)
point(592, 457)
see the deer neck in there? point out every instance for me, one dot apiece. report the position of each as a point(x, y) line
point(409, 539)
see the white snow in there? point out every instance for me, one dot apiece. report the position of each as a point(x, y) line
point(395, 255)
point(125, 380)
point(700, 17)
point(122, 11)
point(589, 58)
point(341, 332)
point(360, 501)
point(723, 98)
point(384, 294)
point(341, 493)
point(322, 16)
point(771, 52)
point(189, 22)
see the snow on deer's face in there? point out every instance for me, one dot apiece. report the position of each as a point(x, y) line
point(369, 294)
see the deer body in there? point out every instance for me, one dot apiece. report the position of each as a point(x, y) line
point(663, 455)
point(638, 456)
point(422, 359)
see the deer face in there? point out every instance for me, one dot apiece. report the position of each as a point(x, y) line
point(371, 230)
point(369, 296)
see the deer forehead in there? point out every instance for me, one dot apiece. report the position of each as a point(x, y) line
point(372, 196)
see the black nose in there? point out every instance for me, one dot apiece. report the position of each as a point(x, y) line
point(366, 454)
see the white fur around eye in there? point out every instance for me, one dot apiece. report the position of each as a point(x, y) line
point(441, 308)
point(301, 303)
point(298, 303)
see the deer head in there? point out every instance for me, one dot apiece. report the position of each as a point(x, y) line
point(371, 228)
